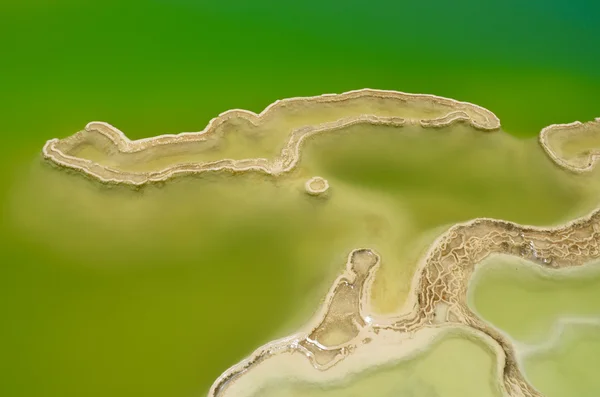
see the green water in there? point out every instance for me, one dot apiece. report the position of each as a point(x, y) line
point(128, 282)
point(109, 291)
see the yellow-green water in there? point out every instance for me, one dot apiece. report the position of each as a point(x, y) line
point(554, 316)
point(114, 292)
point(568, 368)
point(181, 280)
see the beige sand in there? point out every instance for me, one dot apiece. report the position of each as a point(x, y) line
point(316, 186)
point(574, 146)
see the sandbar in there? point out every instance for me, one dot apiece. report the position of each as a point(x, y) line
point(575, 146)
point(398, 110)
point(316, 185)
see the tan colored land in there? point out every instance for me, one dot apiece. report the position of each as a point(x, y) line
point(316, 185)
point(387, 347)
point(344, 337)
point(439, 297)
point(575, 146)
point(92, 150)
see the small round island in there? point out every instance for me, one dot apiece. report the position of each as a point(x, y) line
point(316, 186)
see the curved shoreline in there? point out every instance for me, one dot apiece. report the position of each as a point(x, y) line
point(322, 186)
point(441, 280)
point(437, 295)
point(591, 158)
point(390, 348)
point(457, 111)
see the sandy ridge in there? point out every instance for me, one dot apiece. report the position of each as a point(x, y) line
point(472, 114)
point(545, 138)
point(441, 281)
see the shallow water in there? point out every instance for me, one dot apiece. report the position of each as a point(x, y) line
point(526, 301)
point(554, 316)
point(568, 368)
point(123, 258)
point(112, 291)
point(455, 366)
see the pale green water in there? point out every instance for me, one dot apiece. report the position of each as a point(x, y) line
point(259, 246)
point(135, 313)
point(454, 366)
point(528, 302)
point(569, 368)
point(583, 143)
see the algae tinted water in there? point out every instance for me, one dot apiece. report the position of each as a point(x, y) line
point(253, 246)
point(128, 316)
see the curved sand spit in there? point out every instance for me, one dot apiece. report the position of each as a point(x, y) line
point(438, 299)
point(556, 139)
